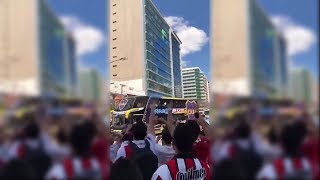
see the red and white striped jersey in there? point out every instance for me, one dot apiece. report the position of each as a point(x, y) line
point(183, 168)
point(77, 168)
point(287, 168)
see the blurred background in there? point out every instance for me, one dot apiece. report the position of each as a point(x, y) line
point(52, 75)
point(265, 50)
point(264, 73)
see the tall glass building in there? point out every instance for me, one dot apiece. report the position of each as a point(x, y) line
point(42, 53)
point(176, 65)
point(57, 55)
point(248, 55)
point(141, 38)
point(263, 54)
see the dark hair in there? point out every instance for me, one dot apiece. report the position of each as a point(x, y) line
point(17, 169)
point(32, 130)
point(125, 169)
point(195, 129)
point(291, 139)
point(91, 128)
point(226, 169)
point(182, 138)
point(62, 136)
point(243, 130)
point(139, 131)
point(272, 136)
point(127, 137)
point(80, 139)
point(166, 136)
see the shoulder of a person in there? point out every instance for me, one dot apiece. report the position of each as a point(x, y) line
point(150, 136)
point(56, 172)
point(267, 171)
point(204, 138)
point(163, 169)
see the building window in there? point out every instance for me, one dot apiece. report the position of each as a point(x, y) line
point(114, 48)
point(114, 39)
point(114, 30)
point(114, 4)
point(114, 13)
point(114, 21)
point(114, 66)
point(114, 75)
point(114, 56)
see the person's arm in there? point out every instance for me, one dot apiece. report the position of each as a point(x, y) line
point(202, 122)
point(129, 127)
point(152, 120)
point(169, 122)
point(158, 138)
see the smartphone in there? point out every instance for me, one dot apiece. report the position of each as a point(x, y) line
point(161, 111)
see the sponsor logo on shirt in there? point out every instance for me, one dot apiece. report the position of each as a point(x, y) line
point(192, 174)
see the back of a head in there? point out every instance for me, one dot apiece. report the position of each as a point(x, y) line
point(139, 131)
point(272, 136)
point(226, 169)
point(243, 130)
point(80, 139)
point(195, 128)
point(92, 129)
point(125, 169)
point(32, 130)
point(182, 138)
point(127, 137)
point(17, 169)
point(291, 139)
point(166, 136)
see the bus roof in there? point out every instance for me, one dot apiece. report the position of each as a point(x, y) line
point(169, 98)
point(174, 98)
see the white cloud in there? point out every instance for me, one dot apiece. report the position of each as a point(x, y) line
point(193, 39)
point(88, 38)
point(299, 38)
point(184, 63)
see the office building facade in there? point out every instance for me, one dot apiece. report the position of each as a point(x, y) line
point(144, 51)
point(195, 84)
point(38, 55)
point(90, 83)
point(301, 85)
point(248, 52)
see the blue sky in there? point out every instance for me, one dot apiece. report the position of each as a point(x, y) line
point(304, 14)
point(88, 17)
point(193, 17)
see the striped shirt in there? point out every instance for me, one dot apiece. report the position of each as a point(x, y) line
point(181, 168)
point(287, 168)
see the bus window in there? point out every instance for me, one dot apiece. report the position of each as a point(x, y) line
point(141, 101)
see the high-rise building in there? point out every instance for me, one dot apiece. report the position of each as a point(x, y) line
point(144, 51)
point(282, 71)
point(301, 85)
point(247, 55)
point(37, 54)
point(90, 85)
point(195, 84)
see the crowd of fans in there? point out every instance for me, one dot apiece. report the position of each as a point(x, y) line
point(254, 146)
point(48, 143)
point(181, 151)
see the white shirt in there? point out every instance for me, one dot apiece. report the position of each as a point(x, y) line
point(140, 143)
point(113, 151)
point(164, 153)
